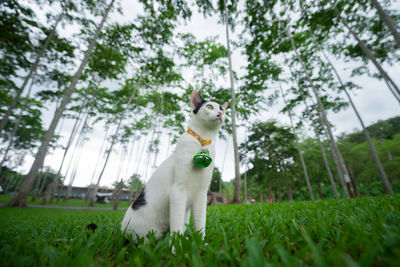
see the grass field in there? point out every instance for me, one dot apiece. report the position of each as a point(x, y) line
point(69, 202)
point(358, 232)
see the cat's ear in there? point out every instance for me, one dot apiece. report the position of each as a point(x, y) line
point(195, 100)
point(225, 105)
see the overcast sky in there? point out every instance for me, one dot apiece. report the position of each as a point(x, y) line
point(374, 102)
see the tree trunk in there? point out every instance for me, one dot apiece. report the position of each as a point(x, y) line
point(353, 180)
point(245, 168)
point(317, 135)
point(342, 167)
point(32, 70)
point(42, 185)
point(12, 182)
point(227, 195)
point(113, 140)
point(7, 186)
point(74, 159)
point(369, 54)
point(90, 189)
point(321, 196)
point(289, 192)
point(68, 192)
point(47, 193)
point(98, 159)
point(385, 180)
point(245, 187)
point(396, 96)
point(279, 192)
point(79, 147)
point(237, 192)
point(54, 185)
point(117, 195)
point(321, 146)
point(390, 23)
point(303, 164)
point(20, 199)
point(269, 186)
point(38, 181)
point(338, 159)
point(261, 197)
point(94, 192)
point(67, 171)
point(223, 162)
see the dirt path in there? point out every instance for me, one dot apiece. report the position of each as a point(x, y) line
point(67, 207)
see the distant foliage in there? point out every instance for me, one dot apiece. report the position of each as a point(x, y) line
point(263, 177)
point(383, 129)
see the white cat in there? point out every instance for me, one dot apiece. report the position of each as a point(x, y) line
point(178, 186)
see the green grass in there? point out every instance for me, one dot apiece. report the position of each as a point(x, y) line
point(357, 232)
point(69, 202)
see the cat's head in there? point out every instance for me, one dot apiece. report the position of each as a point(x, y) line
point(210, 114)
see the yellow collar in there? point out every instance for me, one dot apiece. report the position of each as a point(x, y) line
point(203, 142)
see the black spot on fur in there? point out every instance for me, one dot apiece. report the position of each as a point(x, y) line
point(92, 227)
point(140, 201)
point(199, 106)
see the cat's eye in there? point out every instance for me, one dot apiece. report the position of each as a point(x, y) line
point(210, 107)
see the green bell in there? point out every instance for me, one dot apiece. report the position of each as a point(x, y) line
point(202, 159)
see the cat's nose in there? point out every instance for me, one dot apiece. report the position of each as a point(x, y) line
point(219, 114)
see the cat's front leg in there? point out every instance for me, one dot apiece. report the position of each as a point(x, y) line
point(177, 208)
point(199, 208)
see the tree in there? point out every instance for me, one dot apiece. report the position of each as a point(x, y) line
point(388, 21)
point(20, 199)
point(342, 167)
point(392, 85)
point(118, 186)
point(32, 70)
point(271, 152)
point(385, 181)
point(322, 149)
point(303, 164)
point(216, 180)
point(266, 42)
point(237, 192)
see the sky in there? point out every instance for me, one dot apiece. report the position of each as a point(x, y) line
point(373, 101)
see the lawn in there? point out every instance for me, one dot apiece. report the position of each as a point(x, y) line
point(69, 202)
point(363, 231)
